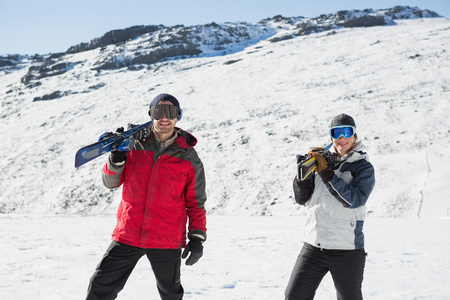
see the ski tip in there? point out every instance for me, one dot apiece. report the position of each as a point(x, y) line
point(78, 162)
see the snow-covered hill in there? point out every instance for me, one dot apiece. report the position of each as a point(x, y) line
point(253, 106)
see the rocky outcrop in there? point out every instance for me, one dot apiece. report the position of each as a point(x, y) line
point(354, 18)
point(47, 69)
point(9, 63)
point(115, 37)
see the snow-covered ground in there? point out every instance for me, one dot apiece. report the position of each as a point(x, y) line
point(251, 118)
point(51, 257)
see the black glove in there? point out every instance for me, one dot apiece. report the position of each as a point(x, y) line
point(196, 248)
point(117, 156)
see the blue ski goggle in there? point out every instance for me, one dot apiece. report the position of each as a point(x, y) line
point(343, 130)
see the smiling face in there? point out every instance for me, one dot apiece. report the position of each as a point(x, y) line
point(164, 127)
point(344, 145)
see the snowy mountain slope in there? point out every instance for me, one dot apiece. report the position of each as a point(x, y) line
point(252, 111)
point(138, 46)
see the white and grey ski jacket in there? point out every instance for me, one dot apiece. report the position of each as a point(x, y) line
point(336, 210)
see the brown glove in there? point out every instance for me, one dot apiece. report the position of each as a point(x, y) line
point(322, 165)
point(321, 162)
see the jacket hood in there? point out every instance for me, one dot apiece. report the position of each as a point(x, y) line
point(185, 139)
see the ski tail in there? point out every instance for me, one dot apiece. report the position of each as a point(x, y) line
point(306, 165)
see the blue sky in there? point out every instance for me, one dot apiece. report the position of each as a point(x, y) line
point(50, 26)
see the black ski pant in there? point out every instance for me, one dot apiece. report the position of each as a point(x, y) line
point(119, 261)
point(346, 268)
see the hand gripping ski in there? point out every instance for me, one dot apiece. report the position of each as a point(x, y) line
point(89, 152)
point(306, 165)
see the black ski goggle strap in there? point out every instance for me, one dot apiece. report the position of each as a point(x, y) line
point(170, 111)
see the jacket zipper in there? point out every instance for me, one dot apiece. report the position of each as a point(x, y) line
point(155, 160)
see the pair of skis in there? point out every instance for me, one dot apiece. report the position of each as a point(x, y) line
point(92, 151)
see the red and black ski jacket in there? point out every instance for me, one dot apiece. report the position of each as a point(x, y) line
point(161, 191)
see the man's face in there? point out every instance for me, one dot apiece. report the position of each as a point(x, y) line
point(164, 125)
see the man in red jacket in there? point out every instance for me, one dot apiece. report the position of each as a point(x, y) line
point(163, 186)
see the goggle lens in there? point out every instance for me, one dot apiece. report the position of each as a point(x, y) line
point(170, 111)
point(345, 131)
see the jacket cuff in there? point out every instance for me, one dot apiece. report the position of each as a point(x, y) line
point(115, 167)
point(197, 233)
point(326, 175)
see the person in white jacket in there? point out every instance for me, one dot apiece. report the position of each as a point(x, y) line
point(336, 196)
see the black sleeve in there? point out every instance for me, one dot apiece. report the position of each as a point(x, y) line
point(303, 190)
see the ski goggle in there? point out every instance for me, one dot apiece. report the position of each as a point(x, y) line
point(170, 111)
point(344, 130)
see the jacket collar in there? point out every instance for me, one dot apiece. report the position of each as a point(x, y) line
point(355, 154)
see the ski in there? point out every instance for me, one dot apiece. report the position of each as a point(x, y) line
point(92, 151)
point(306, 167)
point(306, 164)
